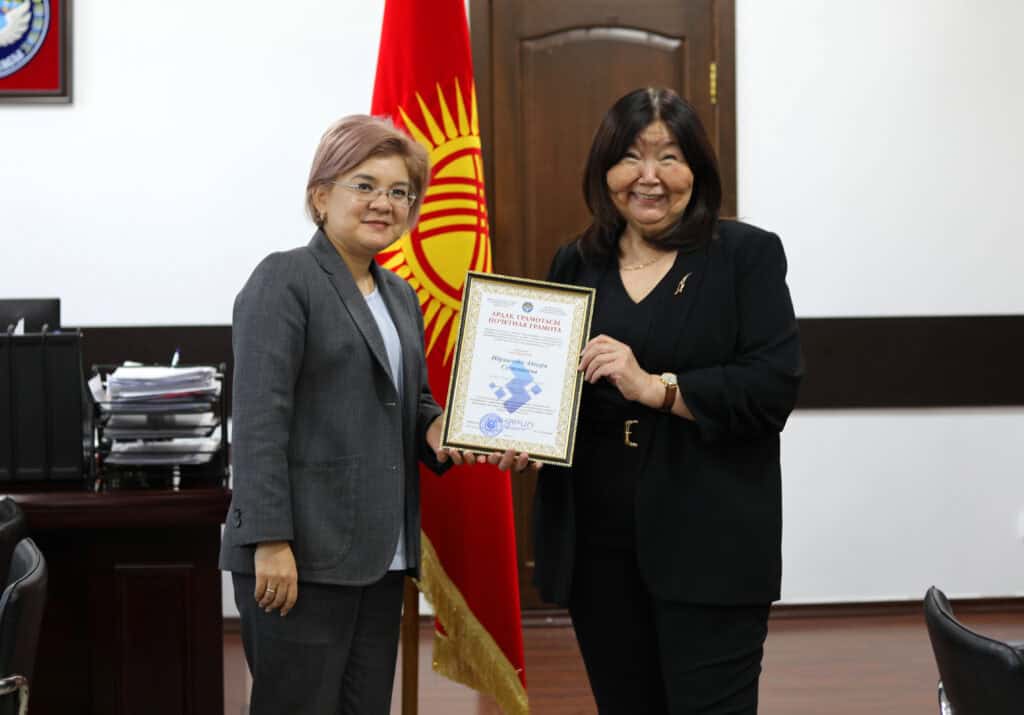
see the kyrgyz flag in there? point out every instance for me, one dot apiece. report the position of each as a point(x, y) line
point(425, 84)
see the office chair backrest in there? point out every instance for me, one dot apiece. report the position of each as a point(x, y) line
point(12, 530)
point(21, 610)
point(981, 675)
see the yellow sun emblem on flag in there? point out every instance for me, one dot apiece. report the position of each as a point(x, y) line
point(452, 235)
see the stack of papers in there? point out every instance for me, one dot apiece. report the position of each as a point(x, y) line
point(136, 399)
point(159, 415)
point(147, 383)
point(159, 426)
point(172, 451)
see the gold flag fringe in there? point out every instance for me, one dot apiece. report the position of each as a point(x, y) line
point(466, 652)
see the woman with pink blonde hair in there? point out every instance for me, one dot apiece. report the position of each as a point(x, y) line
point(332, 411)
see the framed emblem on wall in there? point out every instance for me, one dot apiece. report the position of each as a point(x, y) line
point(35, 51)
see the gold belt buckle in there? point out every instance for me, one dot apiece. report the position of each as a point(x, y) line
point(627, 436)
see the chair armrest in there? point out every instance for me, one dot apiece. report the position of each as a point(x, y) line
point(16, 684)
point(12, 683)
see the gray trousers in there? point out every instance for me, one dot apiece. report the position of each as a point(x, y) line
point(333, 654)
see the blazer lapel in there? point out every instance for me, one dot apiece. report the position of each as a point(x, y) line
point(590, 275)
point(354, 302)
point(679, 302)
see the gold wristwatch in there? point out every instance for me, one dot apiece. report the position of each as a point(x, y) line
point(671, 384)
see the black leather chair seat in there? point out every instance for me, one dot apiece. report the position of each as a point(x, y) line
point(21, 614)
point(979, 675)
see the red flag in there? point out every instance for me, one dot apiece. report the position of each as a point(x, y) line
point(425, 84)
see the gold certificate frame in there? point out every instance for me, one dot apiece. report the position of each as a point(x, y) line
point(515, 380)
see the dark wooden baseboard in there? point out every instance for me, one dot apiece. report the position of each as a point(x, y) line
point(536, 618)
point(892, 608)
point(546, 617)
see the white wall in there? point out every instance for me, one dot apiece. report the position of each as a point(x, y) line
point(881, 504)
point(882, 140)
point(183, 160)
point(879, 139)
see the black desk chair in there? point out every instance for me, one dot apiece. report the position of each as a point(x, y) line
point(978, 675)
point(13, 529)
point(21, 613)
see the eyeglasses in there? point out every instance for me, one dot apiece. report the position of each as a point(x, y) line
point(399, 197)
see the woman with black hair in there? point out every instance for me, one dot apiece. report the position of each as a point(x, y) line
point(664, 538)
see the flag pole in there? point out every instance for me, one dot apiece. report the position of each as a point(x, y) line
point(410, 648)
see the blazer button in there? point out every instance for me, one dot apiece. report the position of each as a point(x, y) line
point(391, 404)
point(394, 467)
point(237, 518)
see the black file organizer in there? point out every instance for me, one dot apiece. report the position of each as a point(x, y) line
point(46, 430)
point(123, 475)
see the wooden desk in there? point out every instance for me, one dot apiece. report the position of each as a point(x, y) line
point(133, 621)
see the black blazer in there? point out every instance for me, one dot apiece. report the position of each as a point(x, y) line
point(709, 499)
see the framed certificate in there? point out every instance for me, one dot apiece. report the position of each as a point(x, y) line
point(515, 383)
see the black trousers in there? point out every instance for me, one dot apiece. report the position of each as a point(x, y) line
point(333, 654)
point(646, 656)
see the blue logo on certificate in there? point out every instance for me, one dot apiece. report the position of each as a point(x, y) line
point(519, 389)
point(23, 26)
point(491, 424)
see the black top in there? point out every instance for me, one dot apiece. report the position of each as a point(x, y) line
point(606, 475)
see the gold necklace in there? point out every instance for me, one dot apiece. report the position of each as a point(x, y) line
point(638, 266)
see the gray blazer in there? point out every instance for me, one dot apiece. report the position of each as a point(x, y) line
point(322, 454)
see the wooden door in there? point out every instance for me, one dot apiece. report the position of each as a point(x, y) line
point(546, 72)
